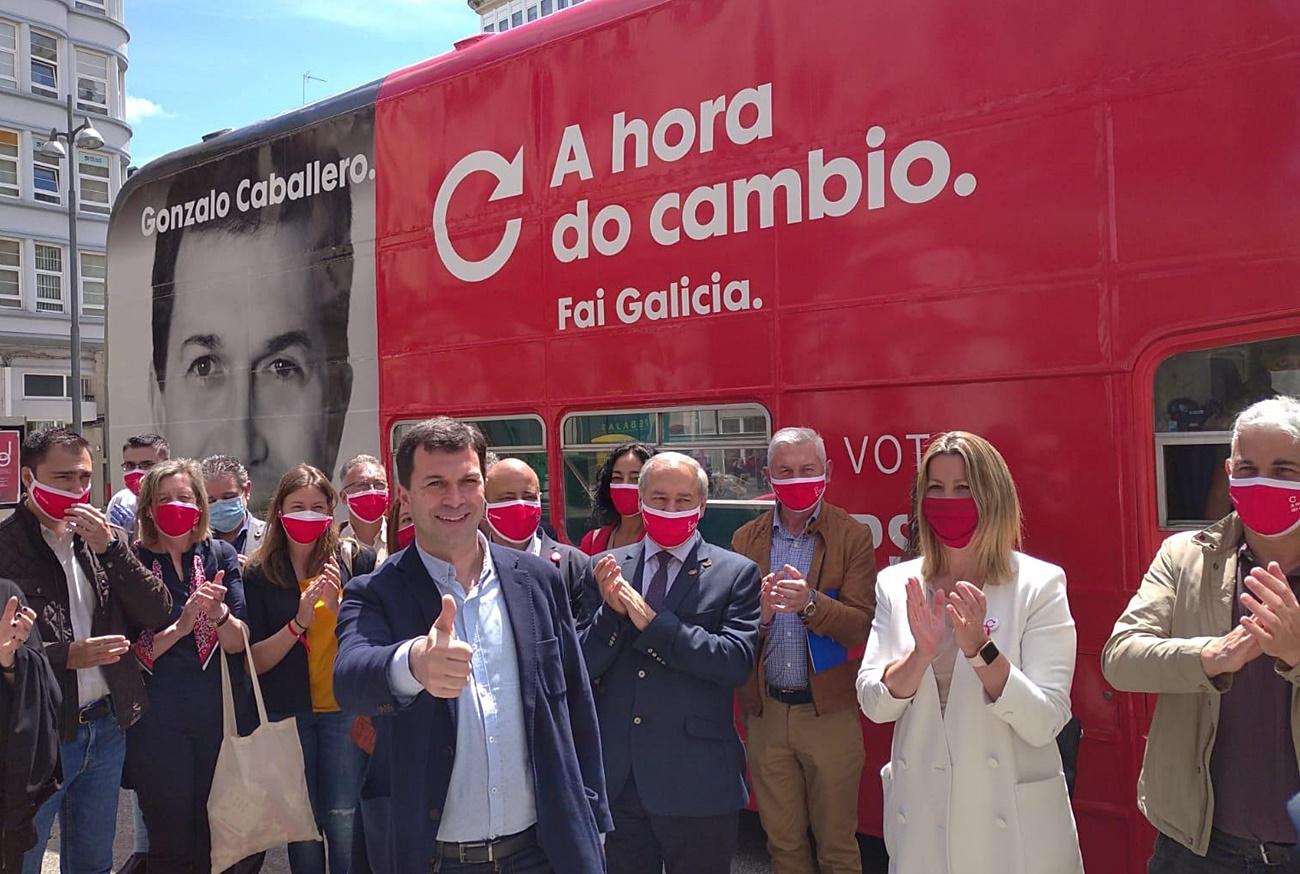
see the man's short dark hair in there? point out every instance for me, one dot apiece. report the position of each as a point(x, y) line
point(156, 442)
point(225, 465)
point(439, 434)
point(39, 443)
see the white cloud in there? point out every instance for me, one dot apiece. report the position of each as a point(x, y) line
point(389, 16)
point(140, 108)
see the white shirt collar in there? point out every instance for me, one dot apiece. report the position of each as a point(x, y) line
point(681, 553)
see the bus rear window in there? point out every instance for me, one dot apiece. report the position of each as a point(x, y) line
point(1198, 395)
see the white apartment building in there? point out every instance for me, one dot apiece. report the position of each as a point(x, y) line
point(501, 15)
point(47, 48)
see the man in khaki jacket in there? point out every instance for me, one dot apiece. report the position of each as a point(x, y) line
point(1214, 630)
point(818, 596)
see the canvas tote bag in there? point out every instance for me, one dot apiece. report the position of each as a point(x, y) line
point(259, 791)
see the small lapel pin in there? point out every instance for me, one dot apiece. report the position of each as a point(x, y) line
point(991, 625)
point(706, 562)
point(692, 572)
point(555, 557)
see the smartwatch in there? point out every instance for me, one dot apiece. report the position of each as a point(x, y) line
point(985, 655)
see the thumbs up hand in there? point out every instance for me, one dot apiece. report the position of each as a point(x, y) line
point(438, 660)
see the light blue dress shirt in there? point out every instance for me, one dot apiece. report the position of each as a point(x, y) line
point(491, 790)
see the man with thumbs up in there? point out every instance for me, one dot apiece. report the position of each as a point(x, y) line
point(486, 742)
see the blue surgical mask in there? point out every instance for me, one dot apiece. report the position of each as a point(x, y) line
point(228, 515)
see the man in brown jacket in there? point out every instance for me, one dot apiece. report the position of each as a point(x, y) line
point(1214, 630)
point(818, 596)
point(86, 586)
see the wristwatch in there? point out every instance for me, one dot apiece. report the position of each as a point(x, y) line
point(811, 608)
point(984, 656)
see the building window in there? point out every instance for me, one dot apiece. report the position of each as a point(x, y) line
point(94, 273)
point(562, 3)
point(11, 274)
point(9, 164)
point(92, 182)
point(49, 278)
point(503, 26)
point(45, 64)
point(45, 176)
point(99, 6)
point(9, 54)
point(45, 385)
point(92, 81)
point(547, 7)
point(516, 19)
point(532, 13)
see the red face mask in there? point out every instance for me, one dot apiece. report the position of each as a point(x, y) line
point(799, 493)
point(305, 526)
point(406, 535)
point(953, 520)
point(55, 503)
point(670, 530)
point(176, 518)
point(1269, 507)
point(515, 521)
point(369, 506)
point(626, 498)
point(132, 480)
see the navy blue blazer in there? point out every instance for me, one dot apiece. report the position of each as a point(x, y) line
point(405, 788)
point(664, 695)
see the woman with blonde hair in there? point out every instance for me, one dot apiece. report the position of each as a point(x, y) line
point(171, 752)
point(972, 654)
point(294, 583)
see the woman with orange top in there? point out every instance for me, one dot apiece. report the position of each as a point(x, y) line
point(293, 586)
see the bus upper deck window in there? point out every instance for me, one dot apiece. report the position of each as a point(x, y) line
point(1198, 395)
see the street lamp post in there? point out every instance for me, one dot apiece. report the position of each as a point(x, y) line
point(86, 136)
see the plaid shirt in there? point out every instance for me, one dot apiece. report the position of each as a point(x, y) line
point(786, 655)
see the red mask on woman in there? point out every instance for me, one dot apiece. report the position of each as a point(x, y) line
point(626, 498)
point(176, 518)
point(305, 526)
point(953, 520)
point(406, 535)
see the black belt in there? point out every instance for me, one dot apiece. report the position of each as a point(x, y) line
point(484, 852)
point(96, 710)
point(790, 696)
point(1270, 854)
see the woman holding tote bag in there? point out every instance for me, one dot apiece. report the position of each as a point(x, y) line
point(971, 654)
point(171, 752)
point(293, 584)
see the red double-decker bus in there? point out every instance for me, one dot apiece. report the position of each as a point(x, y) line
point(1072, 230)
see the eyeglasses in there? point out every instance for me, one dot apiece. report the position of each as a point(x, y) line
point(128, 466)
point(365, 486)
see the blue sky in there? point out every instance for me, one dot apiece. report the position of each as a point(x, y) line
point(199, 65)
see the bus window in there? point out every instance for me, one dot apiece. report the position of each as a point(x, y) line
point(729, 441)
point(1197, 396)
point(522, 437)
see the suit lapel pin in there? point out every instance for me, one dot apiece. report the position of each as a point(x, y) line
point(706, 562)
point(692, 572)
point(991, 625)
point(555, 557)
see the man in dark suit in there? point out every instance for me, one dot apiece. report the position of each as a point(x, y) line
point(487, 749)
point(513, 519)
point(669, 649)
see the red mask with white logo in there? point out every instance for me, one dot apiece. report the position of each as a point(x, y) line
point(626, 498)
point(515, 521)
point(670, 529)
point(55, 503)
point(800, 493)
point(369, 506)
point(953, 520)
point(132, 480)
point(176, 518)
point(406, 535)
point(1269, 507)
point(305, 526)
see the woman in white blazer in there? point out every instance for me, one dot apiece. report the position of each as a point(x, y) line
point(971, 653)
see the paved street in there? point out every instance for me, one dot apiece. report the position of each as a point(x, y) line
point(751, 858)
